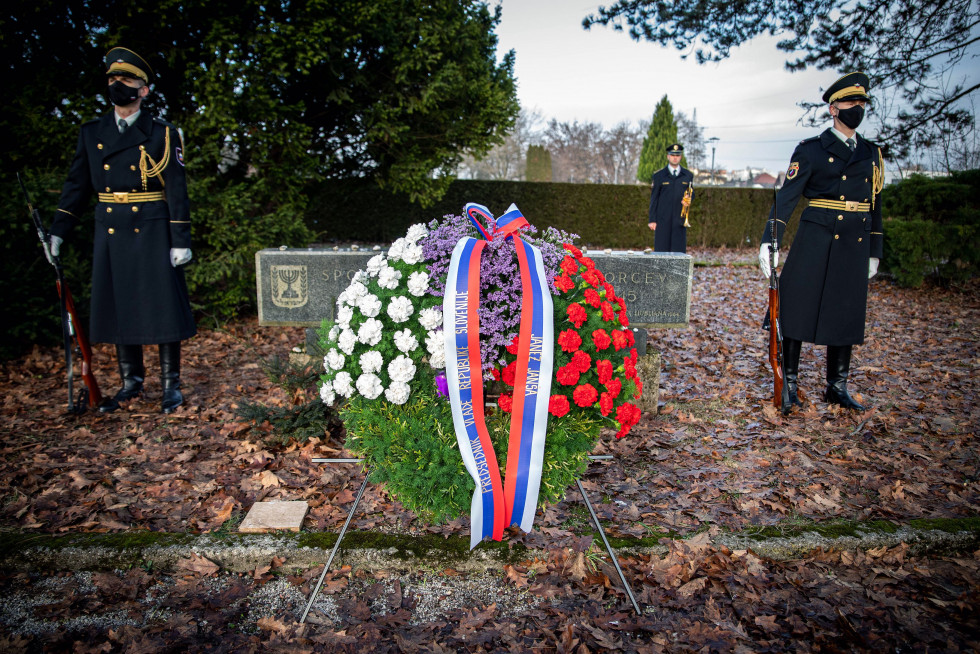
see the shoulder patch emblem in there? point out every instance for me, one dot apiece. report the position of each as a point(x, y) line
point(793, 169)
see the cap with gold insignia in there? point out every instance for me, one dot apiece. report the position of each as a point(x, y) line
point(853, 86)
point(120, 61)
point(675, 148)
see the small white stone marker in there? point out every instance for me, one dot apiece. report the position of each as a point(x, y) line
point(264, 517)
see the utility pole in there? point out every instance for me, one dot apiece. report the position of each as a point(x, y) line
point(712, 141)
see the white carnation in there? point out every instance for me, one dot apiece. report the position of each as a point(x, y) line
point(356, 290)
point(396, 249)
point(406, 341)
point(371, 361)
point(412, 254)
point(370, 332)
point(369, 386)
point(346, 341)
point(437, 359)
point(430, 318)
point(418, 283)
point(375, 264)
point(344, 315)
point(369, 305)
point(361, 277)
point(388, 278)
point(342, 384)
point(334, 333)
point(327, 394)
point(415, 232)
point(401, 369)
point(435, 341)
point(398, 393)
point(334, 360)
point(400, 309)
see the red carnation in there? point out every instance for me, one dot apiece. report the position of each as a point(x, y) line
point(495, 373)
point(629, 369)
point(610, 291)
point(568, 375)
point(607, 311)
point(569, 340)
point(593, 277)
point(624, 319)
point(605, 404)
point(639, 387)
point(575, 252)
point(605, 370)
point(581, 361)
point(619, 301)
point(627, 415)
point(630, 337)
point(564, 283)
point(577, 314)
point(568, 266)
point(634, 357)
point(619, 339)
point(593, 298)
point(601, 339)
point(508, 373)
point(614, 386)
point(587, 262)
point(506, 403)
point(585, 395)
point(558, 405)
point(512, 348)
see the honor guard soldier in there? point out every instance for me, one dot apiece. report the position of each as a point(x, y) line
point(134, 163)
point(667, 200)
point(824, 284)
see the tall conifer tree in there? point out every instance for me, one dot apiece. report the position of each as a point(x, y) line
point(662, 133)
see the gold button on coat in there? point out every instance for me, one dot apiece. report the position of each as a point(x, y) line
point(836, 236)
point(105, 166)
point(840, 217)
point(137, 230)
point(108, 209)
point(132, 167)
point(99, 146)
point(112, 231)
point(843, 176)
point(860, 239)
point(842, 197)
point(135, 208)
point(831, 160)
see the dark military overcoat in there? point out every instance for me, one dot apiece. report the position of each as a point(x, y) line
point(666, 193)
point(137, 296)
point(823, 287)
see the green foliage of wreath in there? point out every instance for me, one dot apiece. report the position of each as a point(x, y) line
point(412, 449)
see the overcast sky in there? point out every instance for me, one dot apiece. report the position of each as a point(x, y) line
point(747, 101)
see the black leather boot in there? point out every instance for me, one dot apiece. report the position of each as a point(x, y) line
point(838, 367)
point(170, 376)
point(130, 358)
point(791, 369)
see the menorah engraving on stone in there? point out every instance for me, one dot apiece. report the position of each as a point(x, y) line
point(289, 286)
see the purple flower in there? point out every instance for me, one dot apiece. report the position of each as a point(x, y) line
point(441, 384)
point(500, 278)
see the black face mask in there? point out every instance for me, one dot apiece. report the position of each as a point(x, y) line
point(122, 95)
point(852, 116)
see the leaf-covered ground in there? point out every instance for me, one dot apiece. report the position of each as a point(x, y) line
point(717, 455)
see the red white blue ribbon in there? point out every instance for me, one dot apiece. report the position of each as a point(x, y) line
point(495, 505)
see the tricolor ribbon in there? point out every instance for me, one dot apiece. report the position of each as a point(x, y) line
point(494, 504)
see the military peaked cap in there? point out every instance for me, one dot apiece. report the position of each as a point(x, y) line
point(853, 86)
point(675, 148)
point(120, 61)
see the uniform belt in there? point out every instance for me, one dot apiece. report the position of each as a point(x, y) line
point(841, 205)
point(127, 198)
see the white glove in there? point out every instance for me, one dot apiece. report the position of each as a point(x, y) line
point(872, 267)
point(764, 259)
point(179, 256)
point(53, 247)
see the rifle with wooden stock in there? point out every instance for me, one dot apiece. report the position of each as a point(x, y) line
point(73, 336)
point(780, 389)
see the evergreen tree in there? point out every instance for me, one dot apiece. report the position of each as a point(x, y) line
point(538, 164)
point(662, 133)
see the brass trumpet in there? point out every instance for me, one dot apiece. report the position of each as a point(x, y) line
point(686, 204)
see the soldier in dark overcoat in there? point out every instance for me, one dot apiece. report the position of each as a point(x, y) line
point(134, 163)
point(824, 284)
point(667, 201)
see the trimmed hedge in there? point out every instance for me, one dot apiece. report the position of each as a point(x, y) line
point(604, 215)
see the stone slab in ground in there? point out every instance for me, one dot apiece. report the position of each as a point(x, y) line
point(264, 517)
point(300, 286)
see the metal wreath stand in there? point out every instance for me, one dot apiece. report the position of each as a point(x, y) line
point(357, 499)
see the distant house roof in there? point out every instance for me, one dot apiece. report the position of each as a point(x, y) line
point(764, 179)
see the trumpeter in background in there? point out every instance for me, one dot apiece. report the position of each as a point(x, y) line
point(824, 283)
point(668, 197)
point(134, 163)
